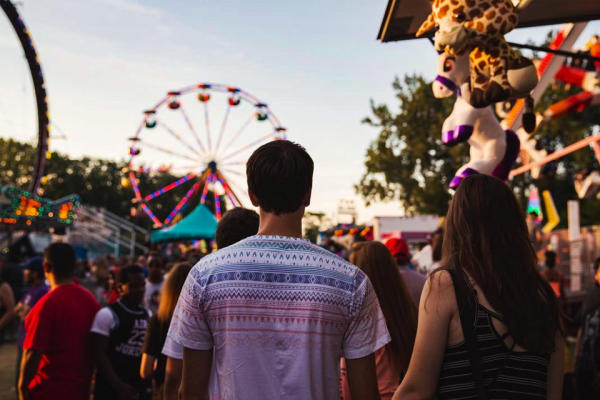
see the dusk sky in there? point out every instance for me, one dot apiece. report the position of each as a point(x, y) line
point(316, 63)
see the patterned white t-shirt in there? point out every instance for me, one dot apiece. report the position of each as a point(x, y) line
point(279, 313)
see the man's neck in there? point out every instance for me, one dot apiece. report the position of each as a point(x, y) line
point(289, 224)
point(56, 282)
point(129, 303)
point(156, 280)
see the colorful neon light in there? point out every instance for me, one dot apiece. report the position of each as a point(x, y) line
point(217, 199)
point(170, 186)
point(180, 206)
point(205, 189)
point(151, 215)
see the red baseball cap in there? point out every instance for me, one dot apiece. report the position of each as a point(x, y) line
point(397, 247)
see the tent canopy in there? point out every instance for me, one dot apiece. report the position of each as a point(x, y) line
point(402, 18)
point(199, 224)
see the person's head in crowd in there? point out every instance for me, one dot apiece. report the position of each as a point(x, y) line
point(194, 255)
point(279, 176)
point(155, 267)
point(131, 284)
point(59, 262)
point(171, 290)
point(236, 224)
point(399, 250)
point(99, 269)
point(141, 260)
point(398, 308)
point(33, 271)
point(550, 259)
point(486, 237)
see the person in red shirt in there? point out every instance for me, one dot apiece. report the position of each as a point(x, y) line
point(57, 354)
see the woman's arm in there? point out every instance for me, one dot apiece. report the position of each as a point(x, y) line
point(436, 308)
point(555, 370)
point(147, 366)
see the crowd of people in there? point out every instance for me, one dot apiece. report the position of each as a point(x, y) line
point(270, 315)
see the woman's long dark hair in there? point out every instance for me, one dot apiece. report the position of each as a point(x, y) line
point(171, 290)
point(398, 307)
point(486, 237)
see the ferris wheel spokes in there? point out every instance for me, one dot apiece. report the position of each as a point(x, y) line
point(223, 125)
point(230, 193)
point(207, 123)
point(192, 129)
point(149, 212)
point(167, 151)
point(179, 207)
point(179, 138)
point(241, 130)
point(249, 145)
point(170, 186)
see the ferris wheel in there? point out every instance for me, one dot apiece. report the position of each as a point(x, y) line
point(35, 173)
point(200, 138)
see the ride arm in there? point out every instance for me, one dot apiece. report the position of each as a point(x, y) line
point(29, 367)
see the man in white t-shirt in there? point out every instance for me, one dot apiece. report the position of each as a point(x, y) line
point(154, 283)
point(278, 311)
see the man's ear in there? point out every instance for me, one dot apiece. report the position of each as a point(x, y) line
point(253, 199)
point(46, 267)
point(306, 200)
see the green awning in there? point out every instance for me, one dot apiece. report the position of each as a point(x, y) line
point(199, 224)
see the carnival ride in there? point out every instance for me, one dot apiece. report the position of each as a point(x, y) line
point(37, 77)
point(168, 141)
point(25, 209)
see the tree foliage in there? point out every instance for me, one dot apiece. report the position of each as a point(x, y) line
point(407, 161)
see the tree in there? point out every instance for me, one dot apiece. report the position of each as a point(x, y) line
point(408, 161)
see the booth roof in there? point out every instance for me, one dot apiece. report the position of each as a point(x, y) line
point(199, 224)
point(402, 18)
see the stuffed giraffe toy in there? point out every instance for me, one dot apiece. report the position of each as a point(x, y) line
point(497, 72)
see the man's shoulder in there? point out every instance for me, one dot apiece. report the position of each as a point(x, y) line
point(274, 250)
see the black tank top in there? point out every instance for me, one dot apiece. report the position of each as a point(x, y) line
point(506, 374)
point(125, 350)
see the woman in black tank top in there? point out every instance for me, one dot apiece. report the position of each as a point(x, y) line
point(488, 323)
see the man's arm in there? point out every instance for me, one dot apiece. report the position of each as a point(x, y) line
point(172, 378)
point(362, 378)
point(100, 343)
point(196, 373)
point(29, 367)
